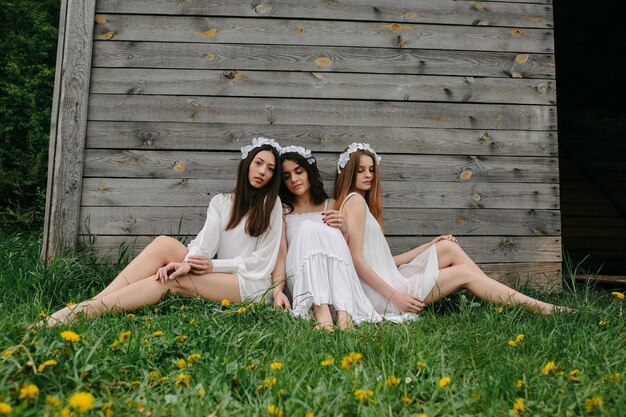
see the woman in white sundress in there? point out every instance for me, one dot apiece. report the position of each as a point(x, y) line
point(320, 274)
point(400, 287)
point(243, 229)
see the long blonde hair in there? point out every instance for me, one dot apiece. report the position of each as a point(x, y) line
point(345, 183)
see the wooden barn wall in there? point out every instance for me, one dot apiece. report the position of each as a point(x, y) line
point(458, 97)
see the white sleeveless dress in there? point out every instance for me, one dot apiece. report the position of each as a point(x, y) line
point(320, 269)
point(416, 278)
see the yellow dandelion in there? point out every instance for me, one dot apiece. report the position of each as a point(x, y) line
point(309, 414)
point(53, 401)
point(573, 375)
point(106, 408)
point(194, 357)
point(66, 412)
point(29, 392)
point(200, 392)
point(420, 364)
point(393, 380)
point(130, 316)
point(328, 360)
point(124, 336)
point(267, 383)
point(42, 314)
point(276, 366)
point(443, 382)
point(192, 322)
point(155, 310)
point(70, 336)
point(591, 403)
point(114, 345)
point(520, 337)
point(44, 365)
point(520, 384)
point(181, 338)
point(182, 379)
point(548, 367)
point(500, 310)
point(364, 395)
point(422, 415)
point(8, 352)
point(163, 379)
point(5, 408)
point(603, 322)
point(619, 295)
point(135, 382)
point(241, 310)
point(82, 401)
point(512, 343)
point(158, 333)
point(348, 361)
point(274, 411)
point(613, 378)
point(181, 363)
point(406, 400)
point(148, 319)
point(182, 307)
point(225, 302)
point(519, 407)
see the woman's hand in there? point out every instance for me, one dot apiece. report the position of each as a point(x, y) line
point(281, 300)
point(200, 265)
point(334, 218)
point(444, 237)
point(172, 270)
point(407, 303)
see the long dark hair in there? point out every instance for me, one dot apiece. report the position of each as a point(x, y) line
point(257, 204)
point(318, 195)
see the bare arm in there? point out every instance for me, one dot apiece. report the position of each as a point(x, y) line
point(406, 257)
point(279, 272)
point(355, 211)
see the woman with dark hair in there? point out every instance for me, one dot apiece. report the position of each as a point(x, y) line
point(400, 287)
point(243, 228)
point(320, 274)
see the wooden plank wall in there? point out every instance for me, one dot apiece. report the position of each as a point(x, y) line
point(458, 96)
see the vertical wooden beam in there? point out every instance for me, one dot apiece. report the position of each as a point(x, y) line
point(68, 126)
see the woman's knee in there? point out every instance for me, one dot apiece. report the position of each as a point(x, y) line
point(170, 246)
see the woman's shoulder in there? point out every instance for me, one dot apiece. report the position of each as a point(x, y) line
point(354, 199)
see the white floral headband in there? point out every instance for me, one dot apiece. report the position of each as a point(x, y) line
point(257, 142)
point(305, 153)
point(355, 146)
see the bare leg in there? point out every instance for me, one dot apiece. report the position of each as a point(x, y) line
point(148, 291)
point(161, 251)
point(323, 317)
point(344, 320)
point(458, 271)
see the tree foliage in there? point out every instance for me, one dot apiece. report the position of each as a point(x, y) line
point(28, 41)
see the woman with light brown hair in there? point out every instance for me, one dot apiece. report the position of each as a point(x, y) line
point(401, 286)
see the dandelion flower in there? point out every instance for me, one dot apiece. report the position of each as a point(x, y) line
point(192, 322)
point(573, 375)
point(548, 367)
point(123, 337)
point(327, 361)
point(420, 364)
point(364, 395)
point(158, 333)
point(520, 337)
point(348, 361)
point(5, 408)
point(603, 322)
point(7, 352)
point(392, 380)
point(181, 363)
point(53, 401)
point(200, 392)
point(82, 401)
point(276, 366)
point(182, 379)
point(70, 336)
point(500, 310)
point(225, 302)
point(65, 412)
point(194, 357)
point(520, 384)
point(422, 415)
point(241, 310)
point(44, 365)
point(148, 319)
point(406, 400)
point(29, 392)
point(42, 314)
point(309, 414)
point(613, 378)
point(512, 343)
point(619, 295)
point(130, 316)
point(591, 403)
point(274, 411)
point(181, 338)
point(519, 407)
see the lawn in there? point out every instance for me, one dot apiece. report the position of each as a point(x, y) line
point(188, 357)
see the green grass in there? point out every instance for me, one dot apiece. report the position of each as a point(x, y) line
point(462, 339)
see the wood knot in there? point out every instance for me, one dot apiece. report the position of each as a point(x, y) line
point(147, 142)
point(179, 166)
point(262, 9)
point(209, 33)
point(476, 197)
point(108, 35)
point(231, 75)
point(478, 6)
point(484, 137)
point(299, 30)
point(324, 139)
point(100, 18)
point(516, 74)
point(184, 181)
point(209, 57)
point(401, 43)
point(397, 27)
point(542, 88)
point(103, 187)
point(461, 221)
point(521, 58)
point(323, 61)
point(409, 15)
point(516, 33)
point(466, 174)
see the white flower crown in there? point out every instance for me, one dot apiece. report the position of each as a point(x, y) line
point(355, 146)
point(257, 142)
point(305, 153)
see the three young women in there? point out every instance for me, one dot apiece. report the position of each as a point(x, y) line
point(243, 228)
point(320, 274)
point(400, 287)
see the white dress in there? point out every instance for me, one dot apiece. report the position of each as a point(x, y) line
point(416, 278)
point(251, 259)
point(320, 269)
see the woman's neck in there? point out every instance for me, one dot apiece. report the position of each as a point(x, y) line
point(305, 204)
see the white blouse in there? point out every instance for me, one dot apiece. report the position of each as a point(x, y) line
point(251, 259)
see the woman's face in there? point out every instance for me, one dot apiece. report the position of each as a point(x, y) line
point(261, 169)
point(296, 178)
point(364, 174)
